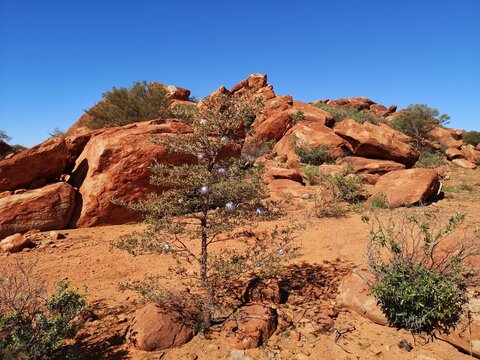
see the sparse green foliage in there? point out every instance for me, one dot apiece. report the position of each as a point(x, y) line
point(31, 325)
point(213, 198)
point(256, 148)
point(472, 137)
point(298, 116)
point(4, 137)
point(186, 113)
point(351, 113)
point(418, 120)
point(56, 132)
point(432, 160)
point(313, 155)
point(310, 174)
point(346, 187)
point(122, 106)
point(420, 277)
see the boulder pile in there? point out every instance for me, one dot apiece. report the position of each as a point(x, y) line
point(70, 181)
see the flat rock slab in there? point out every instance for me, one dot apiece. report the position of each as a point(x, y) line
point(407, 187)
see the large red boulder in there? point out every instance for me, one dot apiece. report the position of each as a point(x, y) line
point(408, 187)
point(115, 164)
point(15, 243)
point(154, 328)
point(312, 134)
point(312, 113)
point(47, 161)
point(471, 153)
point(47, 208)
point(372, 141)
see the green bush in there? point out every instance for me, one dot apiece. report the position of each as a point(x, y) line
point(420, 280)
point(298, 116)
point(351, 113)
point(310, 174)
point(32, 325)
point(428, 159)
point(122, 106)
point(314, 155)
point(418, 120)
point(346, 187)
point(472, 137)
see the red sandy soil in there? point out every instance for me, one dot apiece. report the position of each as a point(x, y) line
point(330, 248)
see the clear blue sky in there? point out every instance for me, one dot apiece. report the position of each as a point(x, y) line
point(57, 57)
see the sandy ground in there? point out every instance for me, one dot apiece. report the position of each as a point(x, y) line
point(330, 248)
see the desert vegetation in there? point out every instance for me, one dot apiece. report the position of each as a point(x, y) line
point(33, 323)
point(421, 277)
point(418, 120)
point(219, 199)
point(349, 113)
point(122, 106)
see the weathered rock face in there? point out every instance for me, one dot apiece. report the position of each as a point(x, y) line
point(361, 103)
point(444, 138)
point(47, 208)
point(370, 166)
point(355, 294)
point(464, 163)
point(280, 189)
point(471, 153)
point(454, 153)
point(371, 141)
point(408, 187)
point(157, 329)
point(251, 327)
point(313, 134)
point(312, 113)
point(116, 164)
point(47, 160)
point(274, 171)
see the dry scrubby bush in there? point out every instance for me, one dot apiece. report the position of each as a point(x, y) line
point(472, 137)
point(33, 325)
point(431, 160)
point(215, 199)
point(351, 113)
point(418, 120)
point(420, 274)
point(313, 155)
point(122, 106)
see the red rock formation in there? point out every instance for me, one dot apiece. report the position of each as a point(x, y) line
point(372, 141)
point(250, 327)
point(313, 134)
point(369, 166)
point(47, 160)
point(408, 187)
point(47, 208)
point(154, 328)
point(116, 163)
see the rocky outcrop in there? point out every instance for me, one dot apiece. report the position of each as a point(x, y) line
point(274, 171)
point(362, 165)
point(471, 154)
point(360, 104)
point(372, 141)
point(408, 187)
point(47, 208)
point(154, 328)
point(312, 134)
point(115, 164)
point(250, 327)
point(47, 160)
point(454, 153)
point(444, 138)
